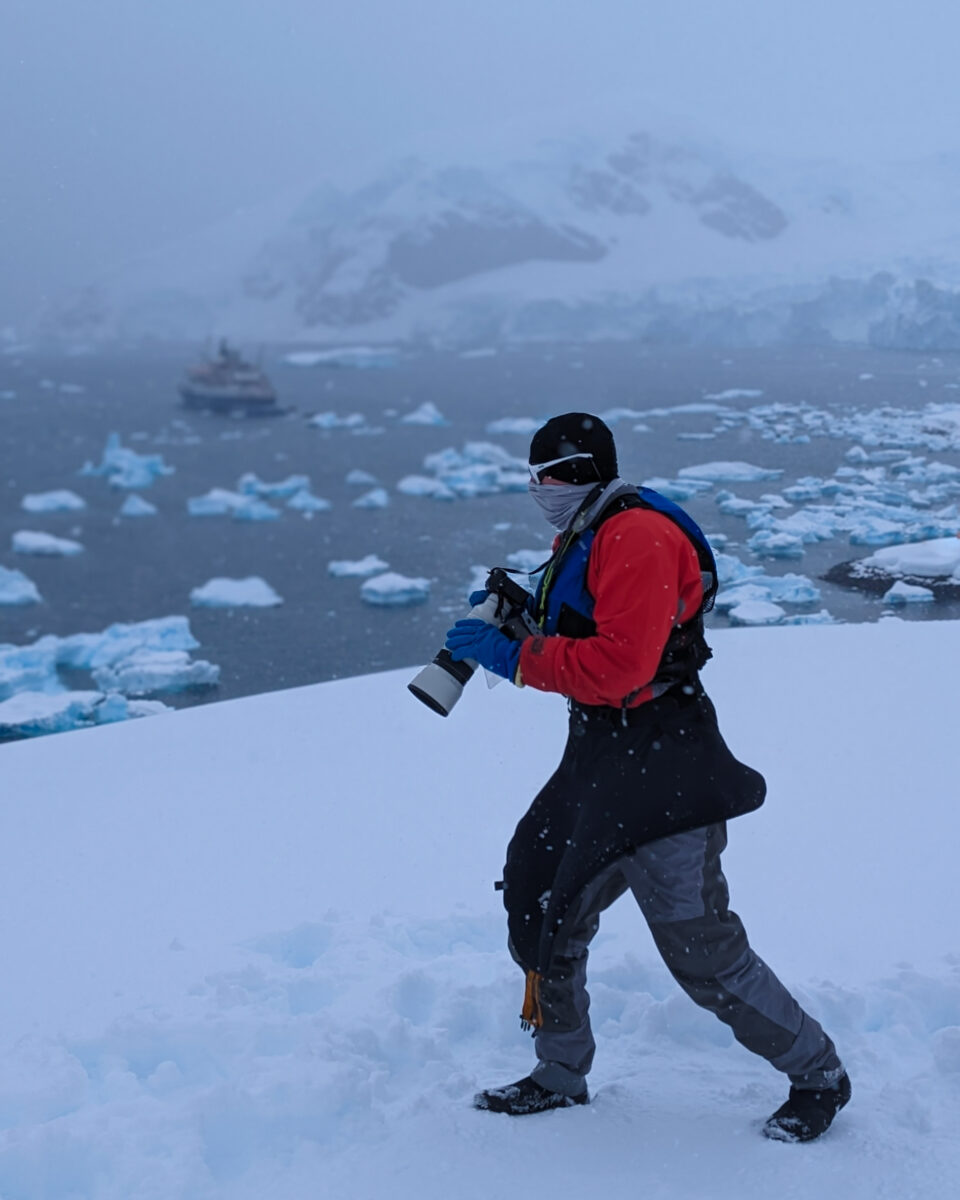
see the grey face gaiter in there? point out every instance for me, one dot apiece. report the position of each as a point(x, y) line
point(559, 502)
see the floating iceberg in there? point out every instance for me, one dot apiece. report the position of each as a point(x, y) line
point(936, 559)
point(907, 593)
point(85, 651)
point(254, 509)
point(48, 502)
point(125, 468)
point(804, 490)
point(730, 472)
point(756, 612)
point(769, 543)
point(779, 589)
point(251, 592)
point(423, 485)
point(44, 545)
point(149, 671)
point(32, 714)
point(306, 502)
point(136, 506)
point(678, 489)
point(377, 498)
point(393, 590)
point(730, 569)
point(330, 420)
point(217, 502)
point(359, 568)
point(426, 414)
point(251, 485)
point(29, 668)
point(358, 478)
point(736, 394)
point(16, 588)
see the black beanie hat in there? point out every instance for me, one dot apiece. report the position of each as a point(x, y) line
point(576, 433)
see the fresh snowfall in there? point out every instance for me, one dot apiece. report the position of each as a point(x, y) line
point(253, 949)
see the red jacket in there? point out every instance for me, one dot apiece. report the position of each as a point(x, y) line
point(644, 577)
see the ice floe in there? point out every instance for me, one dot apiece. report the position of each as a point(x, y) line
point(146, 672)
point(136, 658)
point(479, 469)
point(62, 500)
point(376, 498)
point(16, 589)
point(306, 502)
point(136, 506)
point(125, 468)
point(44, 545)
point(772, 543)
point(756, 612)
point(359, 478)
point(424, 485)
point(393, 590)
point(736, 394)
point(426, 414)
point(332, 420)
point(240, 506)
point(937, 559)
point(907, 593)
point(357, 568)
point(220, 592)
point(730, 472)
point(32, 714)
point(251, 485)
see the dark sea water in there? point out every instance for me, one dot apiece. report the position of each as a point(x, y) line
point(133, 569)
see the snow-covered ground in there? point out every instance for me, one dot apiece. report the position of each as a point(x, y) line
point(253, 950)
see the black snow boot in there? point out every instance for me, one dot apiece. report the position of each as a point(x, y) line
point(808, 1112)
point(525, 1096)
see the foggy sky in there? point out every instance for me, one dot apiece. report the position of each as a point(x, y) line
point(124, 123)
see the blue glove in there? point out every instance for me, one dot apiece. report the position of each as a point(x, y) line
point(472, 638)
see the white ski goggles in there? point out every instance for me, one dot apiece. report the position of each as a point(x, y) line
point(537, 469)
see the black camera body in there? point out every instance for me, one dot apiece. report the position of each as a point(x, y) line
point(439, 685)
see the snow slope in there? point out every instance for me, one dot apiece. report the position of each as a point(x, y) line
point(252, 949)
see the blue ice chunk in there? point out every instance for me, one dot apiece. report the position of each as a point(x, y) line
point(33, 713)
point(678, 489)
point(255, 510)
point(16, 588)
point(394, 591)
point(377, 498)
point(730, 569)
point(251, 485)
point(136, 506)
point(906, 593)
point(86, 651)
point(810, 487)
point(773, 543)
point(125, 468)
point(305, 501)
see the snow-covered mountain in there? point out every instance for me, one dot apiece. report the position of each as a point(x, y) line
point(635, 235)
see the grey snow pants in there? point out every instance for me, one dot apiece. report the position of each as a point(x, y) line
point(681, 890)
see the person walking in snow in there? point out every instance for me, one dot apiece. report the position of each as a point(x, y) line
point(644, 788)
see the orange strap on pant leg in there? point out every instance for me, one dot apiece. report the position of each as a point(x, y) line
point(531, 1015)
